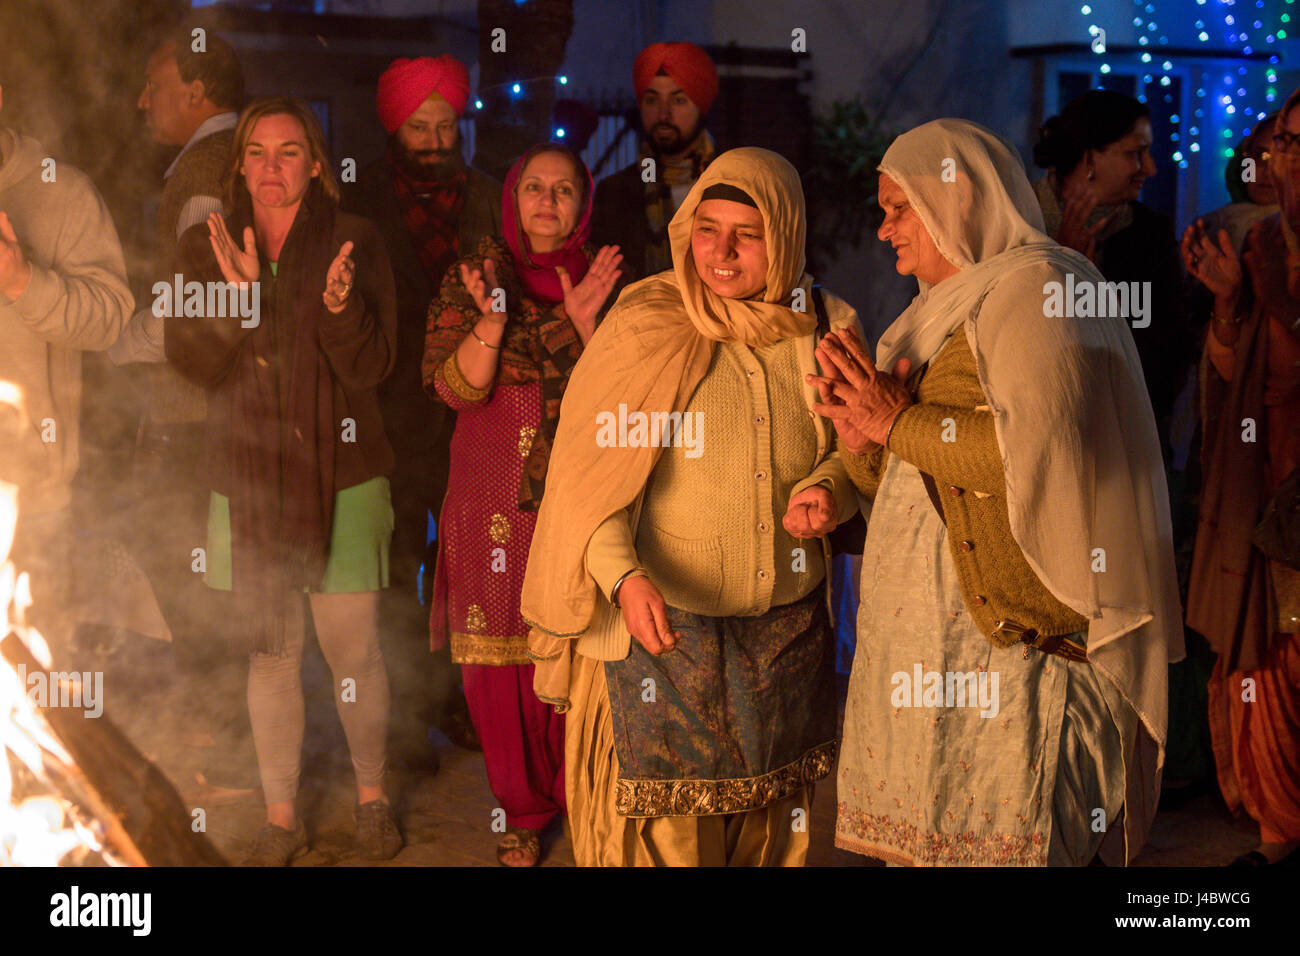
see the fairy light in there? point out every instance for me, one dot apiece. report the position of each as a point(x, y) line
point(519, 87)
point(1096, 42)
point(1234, 104)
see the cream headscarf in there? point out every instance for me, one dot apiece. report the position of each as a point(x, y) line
point(1080, 450)
point(651, 352)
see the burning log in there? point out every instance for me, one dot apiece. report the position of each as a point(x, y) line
point(83, 769)
point(144, 820)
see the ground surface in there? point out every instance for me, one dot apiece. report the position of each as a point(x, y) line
point(446, 816)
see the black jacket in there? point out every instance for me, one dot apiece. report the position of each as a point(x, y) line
point(419, 429)
point(1146, 251)
point(618, 218)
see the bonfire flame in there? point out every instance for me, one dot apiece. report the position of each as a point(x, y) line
point(45, 828)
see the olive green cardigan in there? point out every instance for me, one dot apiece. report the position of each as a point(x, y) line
point(949, 435)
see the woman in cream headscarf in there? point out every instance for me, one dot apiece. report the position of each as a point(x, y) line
point(697, 743)
point(1007, 702)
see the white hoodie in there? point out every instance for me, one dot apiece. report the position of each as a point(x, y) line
point(77, 300)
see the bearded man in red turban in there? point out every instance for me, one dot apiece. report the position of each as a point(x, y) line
point(431, 209)
point(675, 84)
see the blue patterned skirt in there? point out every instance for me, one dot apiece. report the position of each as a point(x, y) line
point(740, 715)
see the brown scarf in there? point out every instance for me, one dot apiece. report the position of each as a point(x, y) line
point(283, 433)
point(650, 354)
point(1227, 597)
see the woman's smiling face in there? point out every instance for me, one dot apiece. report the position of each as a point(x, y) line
point(917, 254)
point(729, 248)
point(550, 200)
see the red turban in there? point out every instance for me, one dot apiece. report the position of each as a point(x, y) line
point(407, 83)
point(688, 65)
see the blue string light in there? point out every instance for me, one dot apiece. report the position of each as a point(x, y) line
point(1235, 99)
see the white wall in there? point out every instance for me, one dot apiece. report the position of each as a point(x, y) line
point(917, 60)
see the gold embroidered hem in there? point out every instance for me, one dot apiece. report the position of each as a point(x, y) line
point(698, 798)
point(455, 379)
point(897, 841)
point(487, 649)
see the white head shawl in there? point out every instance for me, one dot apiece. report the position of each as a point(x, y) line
point(1080, 452)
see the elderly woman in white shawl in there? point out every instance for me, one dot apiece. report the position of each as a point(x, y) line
point(1019, 606)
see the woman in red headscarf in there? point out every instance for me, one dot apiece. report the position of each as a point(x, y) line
point(503, 336)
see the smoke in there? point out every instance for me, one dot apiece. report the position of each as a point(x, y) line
point(71, 72)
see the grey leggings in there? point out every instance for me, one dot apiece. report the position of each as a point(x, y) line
point(348, 630)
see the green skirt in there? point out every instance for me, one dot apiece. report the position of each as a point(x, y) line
point(363, 528)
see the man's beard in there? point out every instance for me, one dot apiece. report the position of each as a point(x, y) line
point(426, 165)
point(674, 146)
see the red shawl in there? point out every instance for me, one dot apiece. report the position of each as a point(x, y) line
point(431, 210)
point(536, 270)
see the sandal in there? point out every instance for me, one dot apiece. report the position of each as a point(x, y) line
point(519, 840)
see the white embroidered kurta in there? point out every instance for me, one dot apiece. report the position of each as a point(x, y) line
point(1020, 765)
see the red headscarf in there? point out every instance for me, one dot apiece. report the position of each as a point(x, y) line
point(537, 269)
point(688, 65)
point(407, 83)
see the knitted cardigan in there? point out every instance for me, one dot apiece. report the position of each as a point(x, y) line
point(949, 435)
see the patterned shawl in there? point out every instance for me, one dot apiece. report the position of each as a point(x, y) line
point(540, 344)
point(431, 211)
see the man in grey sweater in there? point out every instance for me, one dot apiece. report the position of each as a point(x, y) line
point(192, 92)
point(63, 291)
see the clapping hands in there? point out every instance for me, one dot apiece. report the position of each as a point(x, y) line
point(583, 301)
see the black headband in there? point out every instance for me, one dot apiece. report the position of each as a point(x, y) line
point(730, 192)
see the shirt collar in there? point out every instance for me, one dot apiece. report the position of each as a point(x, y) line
point(213, 124)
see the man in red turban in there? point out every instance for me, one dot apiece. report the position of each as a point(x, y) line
point(431, 209)
point(675, 85)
